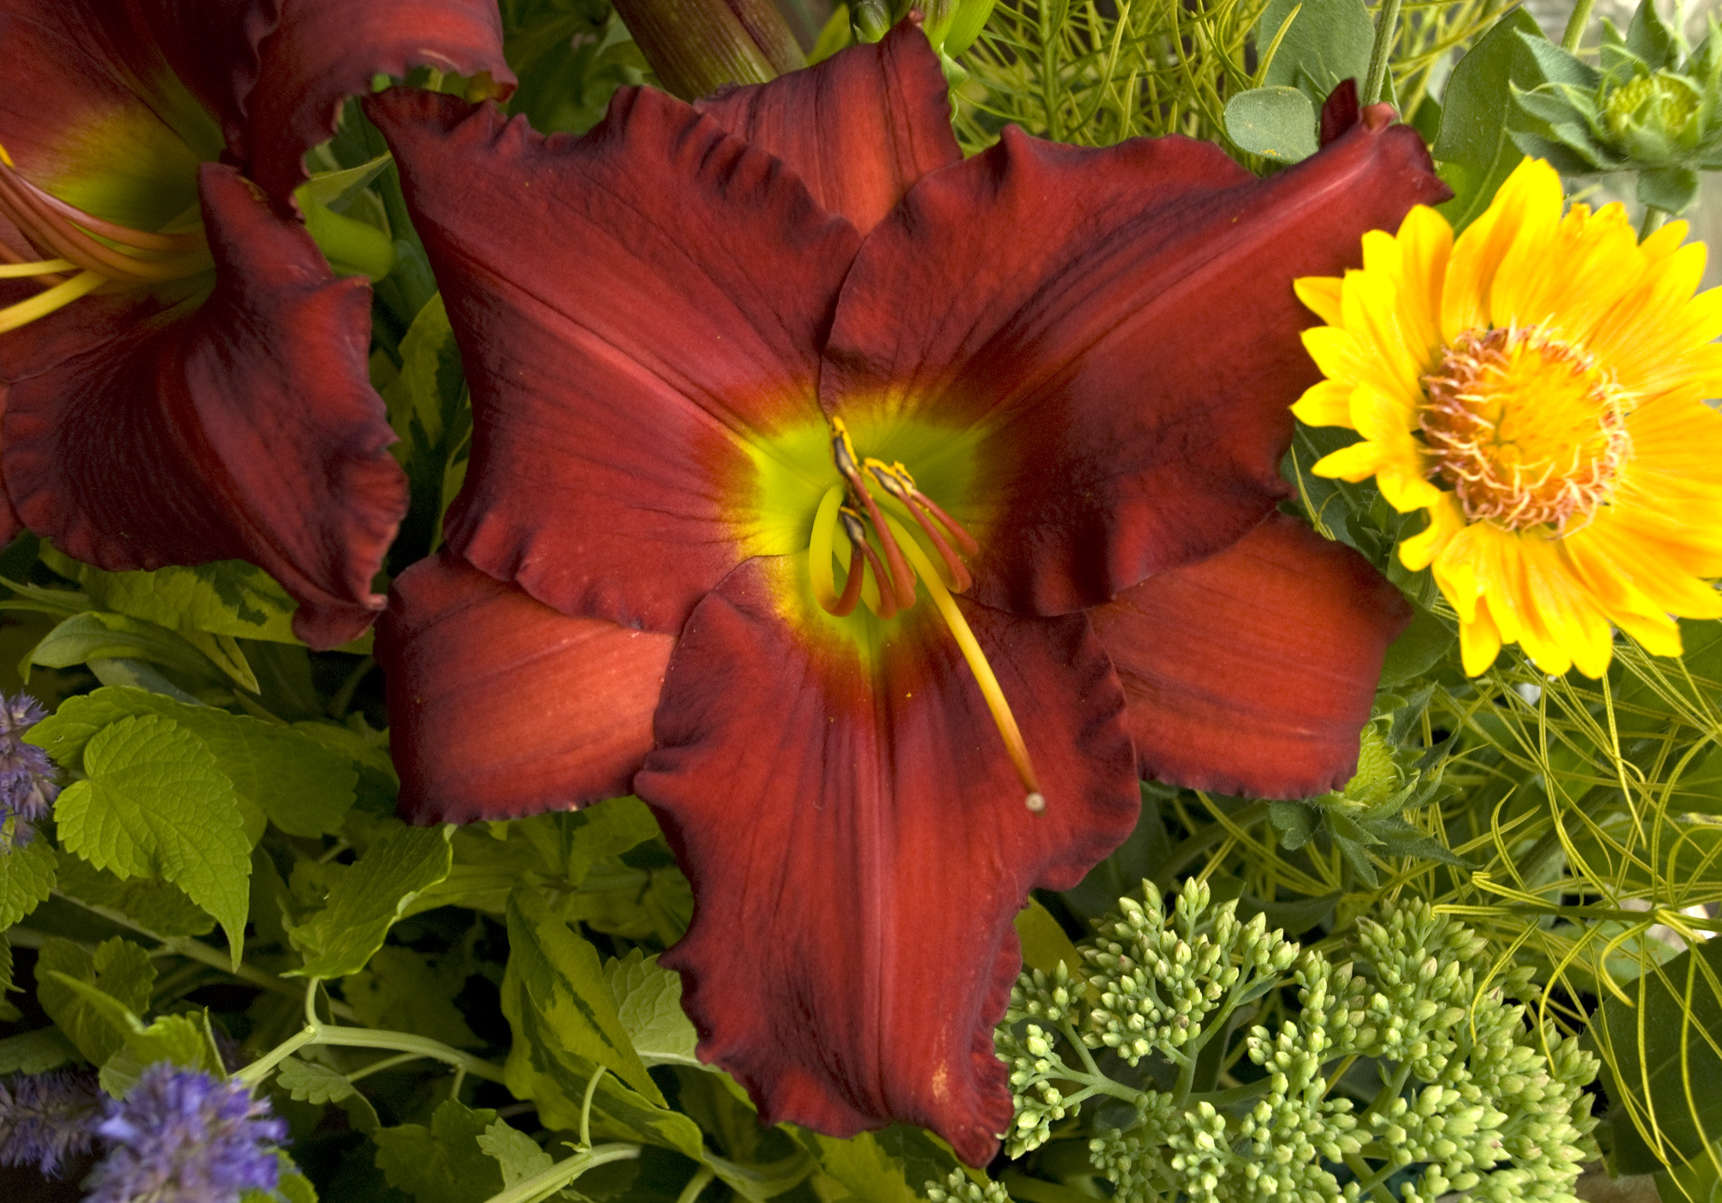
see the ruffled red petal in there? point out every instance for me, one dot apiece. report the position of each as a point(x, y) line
point(1252, 672)
point(500, 706)
point(858, 844)
point(859, 129)
point(324, 51)
point(636, 309)
point(137, 436)
point(1118, 328)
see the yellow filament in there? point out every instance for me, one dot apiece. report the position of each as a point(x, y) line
point(820, 549)
point(41, 267)
point(5, 158)
point(47, 301)
point(976, 659)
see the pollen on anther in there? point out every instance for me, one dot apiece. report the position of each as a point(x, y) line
point(1036, 803)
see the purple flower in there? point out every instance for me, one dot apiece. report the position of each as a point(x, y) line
point(181, 1136)
point(47, 1119)
point(27, 785)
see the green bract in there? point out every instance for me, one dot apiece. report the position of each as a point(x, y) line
point(1652, 105)
point(1406, 1071)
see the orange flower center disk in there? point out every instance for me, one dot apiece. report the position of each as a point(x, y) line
point(1526, 430)
point(81, 252)
point(893, 537)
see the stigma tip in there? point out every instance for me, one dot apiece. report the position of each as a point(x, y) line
point(1036, 802)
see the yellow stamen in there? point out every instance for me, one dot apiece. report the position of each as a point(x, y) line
point(984, 676)
point(819, 548)
point(46, 302)
point(39, 267)
point(4, 157)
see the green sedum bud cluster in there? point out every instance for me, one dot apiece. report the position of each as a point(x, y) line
point(1404, 1072)
point(1651, 105)
point(958, 1187)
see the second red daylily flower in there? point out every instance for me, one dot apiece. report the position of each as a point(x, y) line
point(938, 495)
point(182, 377)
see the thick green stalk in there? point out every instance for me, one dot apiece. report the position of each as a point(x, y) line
point(1386, 25)
point(699, 46)
point(1575, 26)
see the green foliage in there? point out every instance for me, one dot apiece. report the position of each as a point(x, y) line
point(1474, 149)
point(1404, 1071)
point(1650, 105)
point(366, 898)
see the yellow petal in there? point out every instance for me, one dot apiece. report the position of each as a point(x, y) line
point(1479, 642)
point(1321, 295)
point(1325, 403)
point(1357, 462)
point(1445, 520)
point(1531, 193)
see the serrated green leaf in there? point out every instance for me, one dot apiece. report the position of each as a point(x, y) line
point(561, 976)
point(1294, 822)
point(311, 1082)
point(155, 804)
point(366, 900)
point(602, 832)
point(27, 873)
point(93, 995)
point(36, 1052)
point(303, 787)
point(863, 1168)
point(292, 1186)
point(1276, 123)
point(399, 988)
point(1555, 65)
point(516, 1153)
point(1474, 149)
point(442, 1163)
point(180, 1040)
point(157, 907)
point(649, 1004)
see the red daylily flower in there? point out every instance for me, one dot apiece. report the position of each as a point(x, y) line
point(876, 516)
point(182, 377)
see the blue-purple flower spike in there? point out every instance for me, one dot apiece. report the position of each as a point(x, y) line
point(181, 1136)
point(27, 784)
point(48, 1119)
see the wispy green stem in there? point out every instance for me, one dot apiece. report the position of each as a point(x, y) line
point(548, 1182)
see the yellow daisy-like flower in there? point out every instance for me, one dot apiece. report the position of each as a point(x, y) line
point(1538, 385)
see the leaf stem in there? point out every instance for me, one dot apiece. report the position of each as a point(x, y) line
point(1653, 218)
point(586, 1105)
point(1386, 25)
point(547, 1182)
point(1575, 26)
point(696, 1184)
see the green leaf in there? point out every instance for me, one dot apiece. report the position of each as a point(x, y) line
point(862, 1168)
point(311, 1082)
point(36, 1052)
point(332, 188)
point(399, 988)
point(117, 978)
point(1419, 648)
point(155, 804)
point(27, 874)
point(1295, 823)
point(157, 907)
point(366, 899)
point(649, 1005)
point(1671, 189)
point(602, 832)
point(1276, 123)
point(1474, 148)
point(1044, 942)
point(514, 1151)
point(561, 976)
point(95, 635)
point(304, 787)
point(1555, 65)
point(1328, 41)
point(442, 1163)
point(1661, 1052)
point(176, 1039)
point(1650, 38)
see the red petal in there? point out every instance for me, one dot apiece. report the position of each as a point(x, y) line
point(245, 428)
point(859, 128)
point(858, 844)
point(500, 706)
point(634, 308)
point(1251, 672)
point(324, 51)
point(1119, 327)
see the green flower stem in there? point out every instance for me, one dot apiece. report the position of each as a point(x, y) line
point(548, 1182)
point(1575, 26)
point(1647, 225)
point(339, 1036)
point(586, 1105)
point(1386, 25)
point(696, 1184)
point(378, 1066)
point(351, 246)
